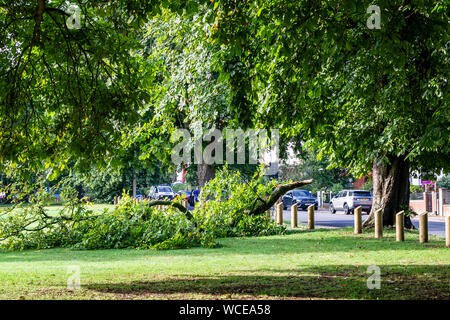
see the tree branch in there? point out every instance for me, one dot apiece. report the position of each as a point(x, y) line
point(276, 194)
point(38, 17)
point(173, 204)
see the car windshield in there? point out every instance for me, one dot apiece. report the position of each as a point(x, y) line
point(164, 189)
point(362, 193)
point(300, 193)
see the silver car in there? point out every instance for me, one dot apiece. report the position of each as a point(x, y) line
point(161, 193)
point(348, 200)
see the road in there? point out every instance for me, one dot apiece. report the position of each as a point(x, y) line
point(436, 226)
point(340, 220)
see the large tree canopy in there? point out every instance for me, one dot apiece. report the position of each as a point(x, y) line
point(361, 93)
point(70, 80)
point(374, 99)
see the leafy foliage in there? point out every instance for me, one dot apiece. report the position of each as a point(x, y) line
point(134, 224)
point(226, 200)
point(444, 182)
point(310, 167)
point(356, 93)
point(131, 224)
point(103, 184)
point(66, 91)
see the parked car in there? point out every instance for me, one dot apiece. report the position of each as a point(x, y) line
point(302, 198)
point(348, 200)
point(193, 198)
point(162, 192)
point(184, 194)
point(139, 195)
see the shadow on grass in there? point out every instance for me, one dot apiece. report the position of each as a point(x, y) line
point(326, 282)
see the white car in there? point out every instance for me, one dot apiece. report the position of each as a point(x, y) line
point(161, 193)
point(348, 200)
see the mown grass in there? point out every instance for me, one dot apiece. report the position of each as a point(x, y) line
point(318, 264)
point(55, 208)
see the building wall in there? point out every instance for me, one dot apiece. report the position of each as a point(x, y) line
point(446, 210)
point(418, 206)
point(359, 183)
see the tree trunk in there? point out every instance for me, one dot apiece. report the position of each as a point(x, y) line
point(390, 191)
point(205, 172)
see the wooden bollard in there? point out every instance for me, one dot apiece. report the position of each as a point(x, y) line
point(400, 226)
point(280, 213)
point(423, 227)
point(379, 224)
point(447, 231)
point(358, 224)
point(294, 209)
point(115, 200)
point(311, 217)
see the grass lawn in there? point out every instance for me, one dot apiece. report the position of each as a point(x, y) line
point(323, 263)
point(53, 209)
point(94, 207)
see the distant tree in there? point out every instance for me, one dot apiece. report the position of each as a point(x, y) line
point(318, 170)
point(444, 182)
point(189, 91)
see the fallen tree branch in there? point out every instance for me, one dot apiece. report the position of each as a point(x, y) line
point(276, 194)
point(173, 204)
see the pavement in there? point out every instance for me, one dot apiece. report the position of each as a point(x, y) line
point(436, 225)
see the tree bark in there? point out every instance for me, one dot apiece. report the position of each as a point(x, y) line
point(264, 205)
point(205, 172)
point(134, 186)
point(390, 191)
point(172, 204)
